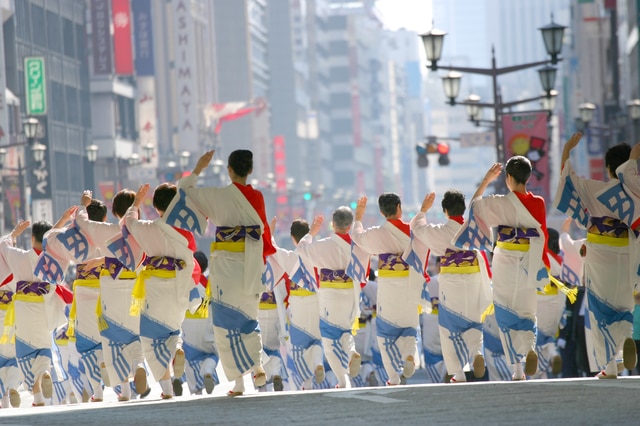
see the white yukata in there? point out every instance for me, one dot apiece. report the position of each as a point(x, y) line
point(372, 371)
point(549, 313)
point(71, 244)
point(398, 297)
point(465, 293)
point(119, 331)
point(9, 372)
point(167, 281)
point(434, 363)
point(498, 368)
point(38, 311)
point(338, 299)
point(606, 209)
point(304, 320)
point(236, 267)
point(199, 347)
point(272, 317)
point(517, 265)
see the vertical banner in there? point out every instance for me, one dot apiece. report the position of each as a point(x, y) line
point(101, 37)
point(143, 37)
point(147, 117)
point(35, 85)
point(185, 60)
point(39, 172)
point(526, 134)
point(122, 48)
point(280, 177)
point(4, 113)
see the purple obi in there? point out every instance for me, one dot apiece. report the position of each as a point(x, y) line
point(268, 297)
point(164, 263)
point(85, 273)
point(5, 297)
point(459, 258)
point(608, 226)
point(391, 262)
point(334, 276)
point(33, 288)
point(234, 234)
point(510, 234)
point(114, 266)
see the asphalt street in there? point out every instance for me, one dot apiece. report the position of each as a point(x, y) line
point(586, 401)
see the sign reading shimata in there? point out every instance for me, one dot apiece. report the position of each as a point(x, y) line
point(34, 80)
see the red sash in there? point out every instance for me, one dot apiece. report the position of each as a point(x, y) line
point(256, 200)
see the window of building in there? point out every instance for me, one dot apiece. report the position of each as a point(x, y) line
point(56, 102)
point(73, 111)
point(54, 32)
point(69, 43)
point(39, 29)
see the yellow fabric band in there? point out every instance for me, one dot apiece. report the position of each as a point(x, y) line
point(267, 306)
point(331, 284)
point(232, 246)
point(124, 275)
point(392, 274)
point(607, 240)
point(301, 292)
point(31, 298)
point(459, 269)
point(138, 293)
point(513, 246)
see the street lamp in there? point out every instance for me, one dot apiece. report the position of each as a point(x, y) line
point(92, 153)
point(451, 85)
point(586, 110)
point(184, 159)
point(134, 159)
point(552, 35)
point(633, 107)
point(147, 152)
point(473, 110)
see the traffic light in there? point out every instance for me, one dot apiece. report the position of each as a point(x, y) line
point(307, 196)
point(353, 205)
point(432, 147)
point(443, 150)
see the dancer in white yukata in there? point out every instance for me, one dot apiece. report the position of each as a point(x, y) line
point(119, 331)
point(338, 294)
point(520, 262)
point(430, 330)
point(9, 372)
point(71, 244)
point(551, 303)
point(161, 292)
point(238, 257)
point(608, 212)
point(38, 309)
point(398, 298)
point(372, 371)
point(304, 313)
point(464, 285)
point(199, 344)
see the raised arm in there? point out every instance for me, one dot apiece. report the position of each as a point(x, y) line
point(568, 146)
point(492, 174)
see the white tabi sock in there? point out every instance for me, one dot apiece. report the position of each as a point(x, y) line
point(38, 398)
point(239, 385)
point(166, 387)
point(97, 392)
point(5, 400)
point(612, 368)
point(518, 369)
point(125, 389)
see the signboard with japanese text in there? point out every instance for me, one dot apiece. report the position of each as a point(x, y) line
point(143, 37)
point(39, 172)
point(35, 85)
point(101, 37)
point(526, 134)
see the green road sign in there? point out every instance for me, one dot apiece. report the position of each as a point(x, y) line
point(35, 88)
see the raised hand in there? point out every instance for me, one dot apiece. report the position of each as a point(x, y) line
point(272, 225)
point(361, 207)
point(20, 228)
point(428, 202)
point(86, 198)
point(316, 225)
point(142, 192)
point(493, 172)
point(635, 152)
point(203, 162)
point(573, 141)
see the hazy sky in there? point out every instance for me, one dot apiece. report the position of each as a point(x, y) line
point(411, 14)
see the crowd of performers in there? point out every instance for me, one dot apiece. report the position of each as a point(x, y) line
point(493, 295)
